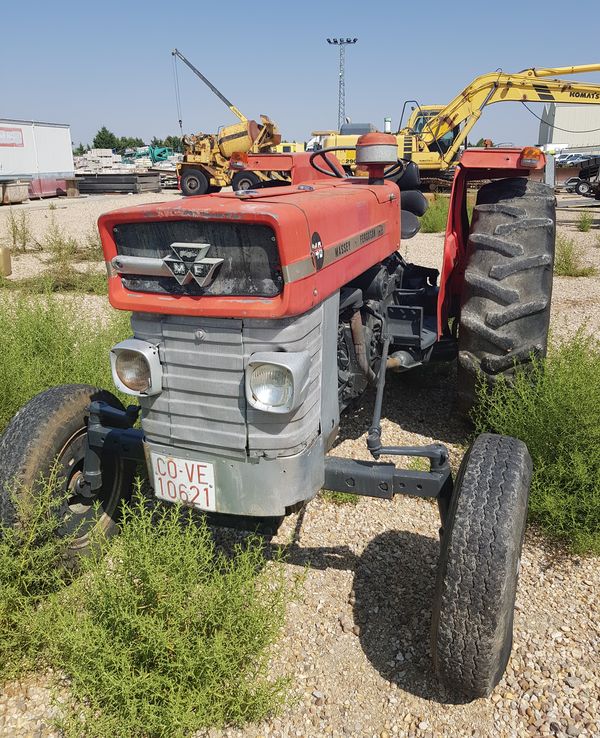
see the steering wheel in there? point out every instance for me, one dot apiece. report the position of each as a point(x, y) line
point(395, 170)
point(332, 170)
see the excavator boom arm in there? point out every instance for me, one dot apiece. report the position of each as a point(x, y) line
point(468, 105)
point(558, 71)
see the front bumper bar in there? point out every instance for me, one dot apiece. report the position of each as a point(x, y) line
point(111, 431)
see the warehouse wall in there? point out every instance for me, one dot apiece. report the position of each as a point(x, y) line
point(582, 118)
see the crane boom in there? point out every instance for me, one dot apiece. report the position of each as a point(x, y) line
point(495, 87)
point(209, 84)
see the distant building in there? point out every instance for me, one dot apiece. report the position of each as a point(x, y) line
point(558, 122)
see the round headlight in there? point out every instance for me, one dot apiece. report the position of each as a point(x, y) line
point(272, 385)
point(133, 370)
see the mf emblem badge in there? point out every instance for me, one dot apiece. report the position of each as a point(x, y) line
point(316, 251)
point(189, 261)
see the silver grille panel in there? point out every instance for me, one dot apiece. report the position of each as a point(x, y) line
point(203, 406)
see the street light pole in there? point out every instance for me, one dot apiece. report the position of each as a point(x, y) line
point(342, 43)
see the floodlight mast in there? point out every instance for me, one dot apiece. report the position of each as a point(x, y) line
point(342, 43)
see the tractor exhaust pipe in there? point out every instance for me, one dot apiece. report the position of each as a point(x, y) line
point(360, 346)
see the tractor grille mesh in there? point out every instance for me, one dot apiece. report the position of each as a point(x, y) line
point(251, 260)
point(203, 404)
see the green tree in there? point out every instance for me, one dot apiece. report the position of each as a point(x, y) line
point(105, 139)
point(174, 142)
point(80, 150)
point(127, 142)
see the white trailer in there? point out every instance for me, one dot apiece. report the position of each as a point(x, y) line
point(38, 153)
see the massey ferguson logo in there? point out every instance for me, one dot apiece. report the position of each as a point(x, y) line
point(189, 262)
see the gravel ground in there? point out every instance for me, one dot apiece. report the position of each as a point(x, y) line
point(356, 640)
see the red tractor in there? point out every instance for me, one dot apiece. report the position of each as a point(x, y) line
point(259, 316)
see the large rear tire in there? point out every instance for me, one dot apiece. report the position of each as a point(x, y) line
point(505, 310)
point(479, 565)
point(48, 435)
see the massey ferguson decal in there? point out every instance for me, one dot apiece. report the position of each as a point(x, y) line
point(11, 136)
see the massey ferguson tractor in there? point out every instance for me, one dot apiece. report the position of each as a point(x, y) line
point(258, 317)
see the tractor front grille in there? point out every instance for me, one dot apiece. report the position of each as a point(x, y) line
point(251, 265)
point(203, 405)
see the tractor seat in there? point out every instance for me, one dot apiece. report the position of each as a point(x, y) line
point(409, 224)
point(414, 201)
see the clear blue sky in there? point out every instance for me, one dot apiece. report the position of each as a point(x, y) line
point(108, 63)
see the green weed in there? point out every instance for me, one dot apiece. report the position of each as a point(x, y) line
point(435, 217)
point(32, 567)
point(64, 249)
point(584, 222)
point(92, 247)
point(46, 342)
point(59, 245)
point(163, 634)
point(19, 234)
point(555, 410)
point(61, 278)
point(339, 498)
point(418, 463)
point(568, 259)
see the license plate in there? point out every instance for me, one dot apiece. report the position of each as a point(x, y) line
point(188, 482)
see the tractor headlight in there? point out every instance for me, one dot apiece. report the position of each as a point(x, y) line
point(136, 367)
point(277, 382)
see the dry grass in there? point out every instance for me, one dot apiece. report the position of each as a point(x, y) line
point(18, 231)
point(584, 222)
point(568, 259)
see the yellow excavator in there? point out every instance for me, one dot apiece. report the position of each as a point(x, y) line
point(434, 134)
point(205, 166)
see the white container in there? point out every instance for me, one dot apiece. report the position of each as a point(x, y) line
point(38, 152)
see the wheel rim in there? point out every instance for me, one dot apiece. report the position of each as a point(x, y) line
point(192, 183)
point(80, 514)
point(245, 184)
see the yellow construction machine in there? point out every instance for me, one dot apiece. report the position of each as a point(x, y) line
point(435, 134)
point(205, 166)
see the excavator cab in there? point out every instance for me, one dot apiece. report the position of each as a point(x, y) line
point(419, 121)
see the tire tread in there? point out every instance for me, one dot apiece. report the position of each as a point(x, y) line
point(477, 575)
point(505, 310)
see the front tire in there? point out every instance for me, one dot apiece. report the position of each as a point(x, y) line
point(505, 311)
point(478, 569)
point(194, 182)
point(49, 434)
